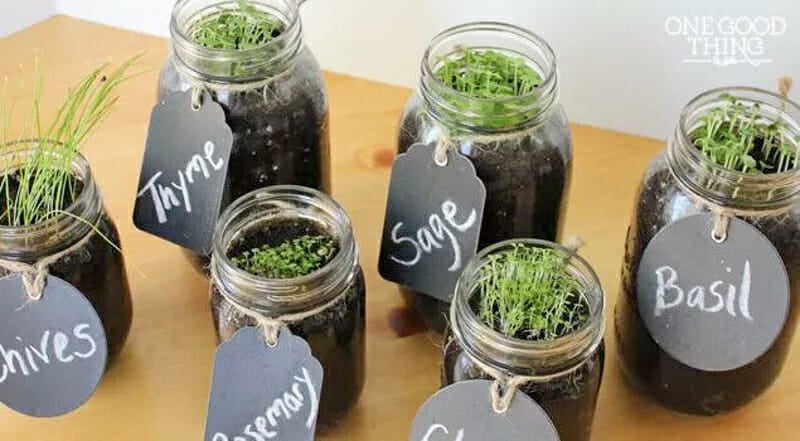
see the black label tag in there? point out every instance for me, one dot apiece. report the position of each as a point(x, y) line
point(52, 350)
point(259, 392)
point(184, 170)
point(463, 411)
point(712, 306)
point(433, 221)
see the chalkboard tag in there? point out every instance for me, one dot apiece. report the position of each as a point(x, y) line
point(463, 411)
point(713, 306)
point(433, 221)
point(262, 392)
point(183, 173)
point(52, 351)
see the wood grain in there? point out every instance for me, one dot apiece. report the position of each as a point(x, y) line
point(158, 389)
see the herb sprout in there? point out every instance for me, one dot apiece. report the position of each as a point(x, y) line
point(491, 80)
point(241, 27)
point(39, 183)
point(737, 137)
point(528, 292)
point(488, 74)
point(293, 258)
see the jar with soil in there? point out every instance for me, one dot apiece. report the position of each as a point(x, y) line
point(80, 233)
point(490, 92)
point(728, 180)
point(529, 313)
point(250, 57)
point(289, 251)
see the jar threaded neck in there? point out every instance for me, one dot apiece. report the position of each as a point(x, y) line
point(721, 186)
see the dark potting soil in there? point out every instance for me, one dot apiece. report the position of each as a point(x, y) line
point(569, 400)
point(336, 335)
point(650, 368)
point(527, 181)
point(98, 271)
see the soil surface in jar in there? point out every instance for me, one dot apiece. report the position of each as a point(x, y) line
point(649, 367)
point(527, 182)
point(97, 270)
point(570, 400)
point(336, 335)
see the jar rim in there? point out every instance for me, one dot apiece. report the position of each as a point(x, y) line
point(736, 91)
point(578, 344)
point(275, 291)
point(176, 29)
point(493, 26)
point(256, 64)
point(707, 180)
point(80, 165)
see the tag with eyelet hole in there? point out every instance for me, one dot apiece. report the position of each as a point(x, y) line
point(432, 222)
point(183, 174)
point(463, 411)
point(53, 350)
point(263, 392)
point(714, 304)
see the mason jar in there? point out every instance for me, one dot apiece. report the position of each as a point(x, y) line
point(273, 96)
point(565, 373)
point(96, 268)
point(336, 334)
point(521, 147)
point(682, 182)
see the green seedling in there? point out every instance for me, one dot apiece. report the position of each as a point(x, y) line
point(241, 27)
point(294, 258)
point(528, 292)
point(497, 86)
point(737, 137)
point(41, 184)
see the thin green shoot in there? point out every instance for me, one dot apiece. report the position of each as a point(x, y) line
point(241, 27)
point(37, 178)
point(296, 257)
point(528, 292)
point(488, 74)
point(738, 137)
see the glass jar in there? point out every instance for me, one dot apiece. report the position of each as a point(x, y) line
point(336, 335)
point(273, 96)
point(96, 269)
point(566, 372)
point(525, 163)
point(672, 185)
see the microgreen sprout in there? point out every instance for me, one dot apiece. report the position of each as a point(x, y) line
point(243, 26)
point(488, 74)
point(737, 137)
point(41, 183)
point(528, 292)
point(490, 79)
point(293, 258)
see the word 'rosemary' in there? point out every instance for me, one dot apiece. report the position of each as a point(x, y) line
point(737, 137)
point(528, 292)
point(37, 179)
point(294, 258)
point(241, 27)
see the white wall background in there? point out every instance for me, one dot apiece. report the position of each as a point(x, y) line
point(619, 67)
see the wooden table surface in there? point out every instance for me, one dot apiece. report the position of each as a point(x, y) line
point(158, 390)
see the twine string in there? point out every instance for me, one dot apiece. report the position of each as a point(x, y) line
point(505, 386)
point(34, 275)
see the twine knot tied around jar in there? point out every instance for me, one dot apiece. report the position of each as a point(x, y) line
point(34, 275)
